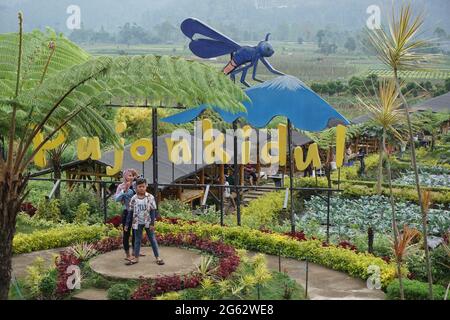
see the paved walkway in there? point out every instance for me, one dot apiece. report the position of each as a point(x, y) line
point(22, 261)
point(178, 261)
point(323, 284)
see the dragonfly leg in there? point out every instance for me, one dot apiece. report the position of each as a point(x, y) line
point(244, 74)
point(254, 72)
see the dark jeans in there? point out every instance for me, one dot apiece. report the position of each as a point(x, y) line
point(151, 237)
point(126, 234)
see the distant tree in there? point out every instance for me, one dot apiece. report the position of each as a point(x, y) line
point(440, 33)
point(300, 40)
point(328, 48)
point(81, 35)
point(166, 31)
point(350, 44)
point(428, 86)
point(320, 37)
point(447, 84)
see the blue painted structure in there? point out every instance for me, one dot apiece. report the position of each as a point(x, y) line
point(283, 96)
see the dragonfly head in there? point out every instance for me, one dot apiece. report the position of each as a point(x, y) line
point(265, 48)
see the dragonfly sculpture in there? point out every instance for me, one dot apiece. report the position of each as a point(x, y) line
point(212, 43)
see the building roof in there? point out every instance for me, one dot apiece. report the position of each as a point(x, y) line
point(437, 104)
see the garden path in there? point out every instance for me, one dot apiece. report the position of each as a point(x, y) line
point(324, 283)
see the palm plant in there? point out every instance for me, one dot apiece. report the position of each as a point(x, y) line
point(400, 49)
point(401, 246)
point(48, 83)
point(385, 112)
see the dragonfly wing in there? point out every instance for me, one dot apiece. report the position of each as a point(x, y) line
point(205, 48)
point(219, 43)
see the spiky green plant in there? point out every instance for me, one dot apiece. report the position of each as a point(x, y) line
point(385, 112)
point(401, 49)
point(48, 83)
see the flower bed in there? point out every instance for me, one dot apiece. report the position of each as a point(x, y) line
point(332, 256)
point(61, 236)
point(150, 288)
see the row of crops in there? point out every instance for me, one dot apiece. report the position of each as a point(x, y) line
point(430, 75)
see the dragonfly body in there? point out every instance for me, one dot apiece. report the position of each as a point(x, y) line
point(214, 44)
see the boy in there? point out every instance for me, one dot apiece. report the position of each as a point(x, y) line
point(142, 214)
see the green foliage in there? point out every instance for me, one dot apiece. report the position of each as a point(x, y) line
point(243, 284)
point(263, 211)
point(83, 251)
point(414, 290)
point(47, 286)
point(174, 208)
point(82, 213)
point(333, 257)
point(440, 262)
point(38, 272)
point(59, 237)
point(70, 203)
point(119, 291)
point(48, 210)
point(26, 224)
point(356, 189)
point(97, 281)
point(382, 245)
point(350, 215)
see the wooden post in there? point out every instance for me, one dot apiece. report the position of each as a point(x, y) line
point(241, 174)
point(221, 174)
point(291, 175)
point(202, 176)
point(155, 153)
point(179, 191)
point(236, 175)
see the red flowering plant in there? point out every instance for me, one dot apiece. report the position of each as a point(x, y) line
point(149, 288)
point(228, 263)
point(28, 208)
point(116, 221)
point(63, 262)
point(297, 235)
point(347, 245)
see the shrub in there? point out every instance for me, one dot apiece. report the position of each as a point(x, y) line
point(35, 273)
point(47, 286)
point(414, 290)
point(48, 210)
point(119, 291)
point(71, 201)
point(336, 258)
point(175, 208)
point(263, 211)
point(82, 213)
point(62, 236)
point(26, 224)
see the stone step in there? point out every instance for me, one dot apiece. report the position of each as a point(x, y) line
point(90, 294)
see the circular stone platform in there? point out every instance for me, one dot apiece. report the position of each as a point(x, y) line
point(178, 261)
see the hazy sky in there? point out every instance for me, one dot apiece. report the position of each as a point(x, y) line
point(312, 14)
